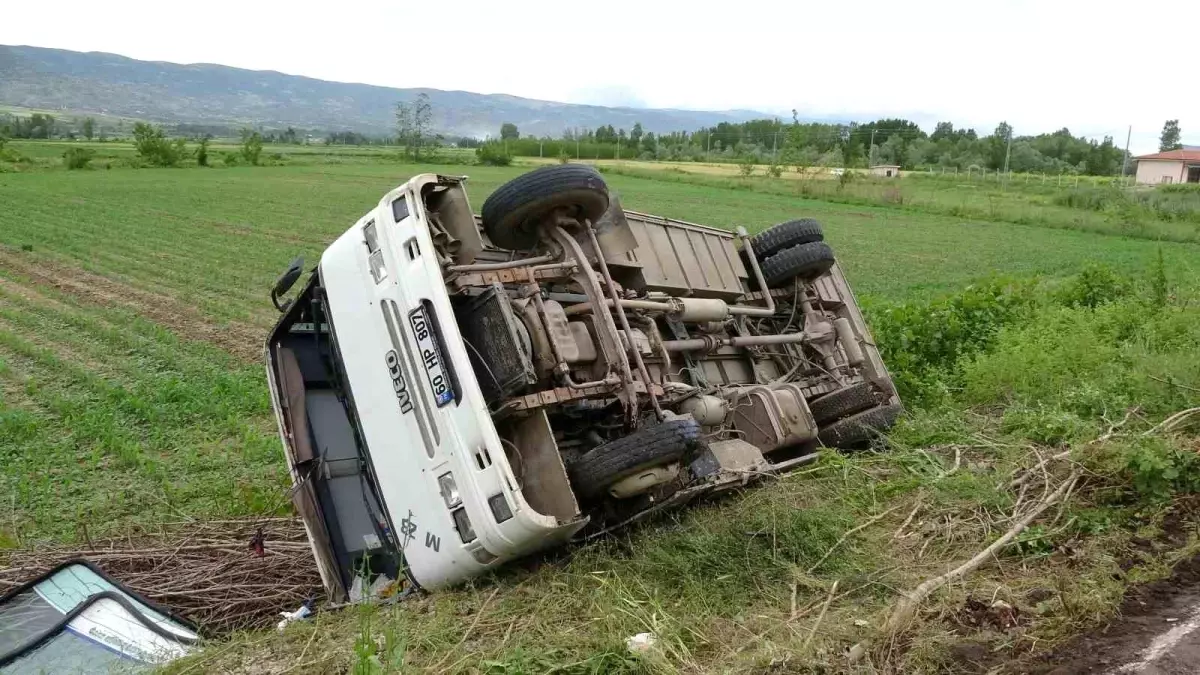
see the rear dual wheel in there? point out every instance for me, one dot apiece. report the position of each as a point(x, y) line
point(860, 430)
point(792, 249)
point(806, 261)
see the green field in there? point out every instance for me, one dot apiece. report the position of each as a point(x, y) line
point(133, 305)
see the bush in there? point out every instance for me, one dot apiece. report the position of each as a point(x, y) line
point(1094, 286)
point(1091, 362)
point(153, 147)
point(1160, 290)
point(1092, 198)
point(231, 158)
point(922, 342)
point(202, 152)
point(1180, 188)
point(252, 146)
point(746, 166)
point(10, 155)
point(78, 158)
point(493, 154)
point(774, 170)
point(1179, 201)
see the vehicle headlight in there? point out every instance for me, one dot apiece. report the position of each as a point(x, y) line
point(449, 490)
point(463, 524)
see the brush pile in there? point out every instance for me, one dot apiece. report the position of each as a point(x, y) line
point(224, 575)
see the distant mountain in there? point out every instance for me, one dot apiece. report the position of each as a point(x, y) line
point(201, 93)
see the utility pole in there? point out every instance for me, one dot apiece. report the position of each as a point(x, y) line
point(871, 159)
point(775, 148)
point(1008, 150)
point(708, 150)
point(1125, 160)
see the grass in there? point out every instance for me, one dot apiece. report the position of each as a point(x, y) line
point(131, 392)
point(119, 153)
point(1024, 200)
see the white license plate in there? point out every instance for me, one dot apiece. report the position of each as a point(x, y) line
point(431, 357)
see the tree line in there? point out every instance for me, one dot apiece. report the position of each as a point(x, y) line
point(890, 141)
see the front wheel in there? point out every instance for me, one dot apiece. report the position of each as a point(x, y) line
point(603, 466)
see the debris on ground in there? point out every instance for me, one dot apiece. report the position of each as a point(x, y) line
point(642, 643)
point(980, 614)
point(74, 618)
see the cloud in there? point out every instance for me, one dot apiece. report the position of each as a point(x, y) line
point(1039, 64)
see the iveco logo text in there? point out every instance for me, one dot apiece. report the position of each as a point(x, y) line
point(393, 364)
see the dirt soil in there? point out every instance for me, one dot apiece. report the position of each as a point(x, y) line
point(242, 340)
point(1157, 633)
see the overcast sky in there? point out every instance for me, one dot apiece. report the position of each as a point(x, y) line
point(1094, 67)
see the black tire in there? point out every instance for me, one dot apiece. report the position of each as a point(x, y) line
point(785, 235)
point(804, 260)
point(847, 401)
point(596, 471)
point(511, 213)
point(858, 431)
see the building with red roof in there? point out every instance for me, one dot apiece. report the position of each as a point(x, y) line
point(1172, 166)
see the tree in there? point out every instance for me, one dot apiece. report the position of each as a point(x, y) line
point(252, 145)
point(202, 151)
point(508, 132)
point(1169, 140)
point(152, 145)
point(39, 126)
point(78, 158)
point(422, 123)
point(414, 122)
point(892, 151)
point(997, 145)
point(942, 130)
point(404, 125)
point(493, 154)
point(636, 134)
point(802, 158)
point(89, 128)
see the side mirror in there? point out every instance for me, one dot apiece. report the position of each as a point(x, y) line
point(285, 282)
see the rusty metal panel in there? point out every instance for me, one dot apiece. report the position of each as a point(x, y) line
point(680, 258)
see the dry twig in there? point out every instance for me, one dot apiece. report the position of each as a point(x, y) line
point(908, 602)
point(1173, 422)
point(911, 514)
point(906, 607)
point(821, 616)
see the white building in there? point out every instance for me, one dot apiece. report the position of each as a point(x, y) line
point(1172, 166)
point(886, 170)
